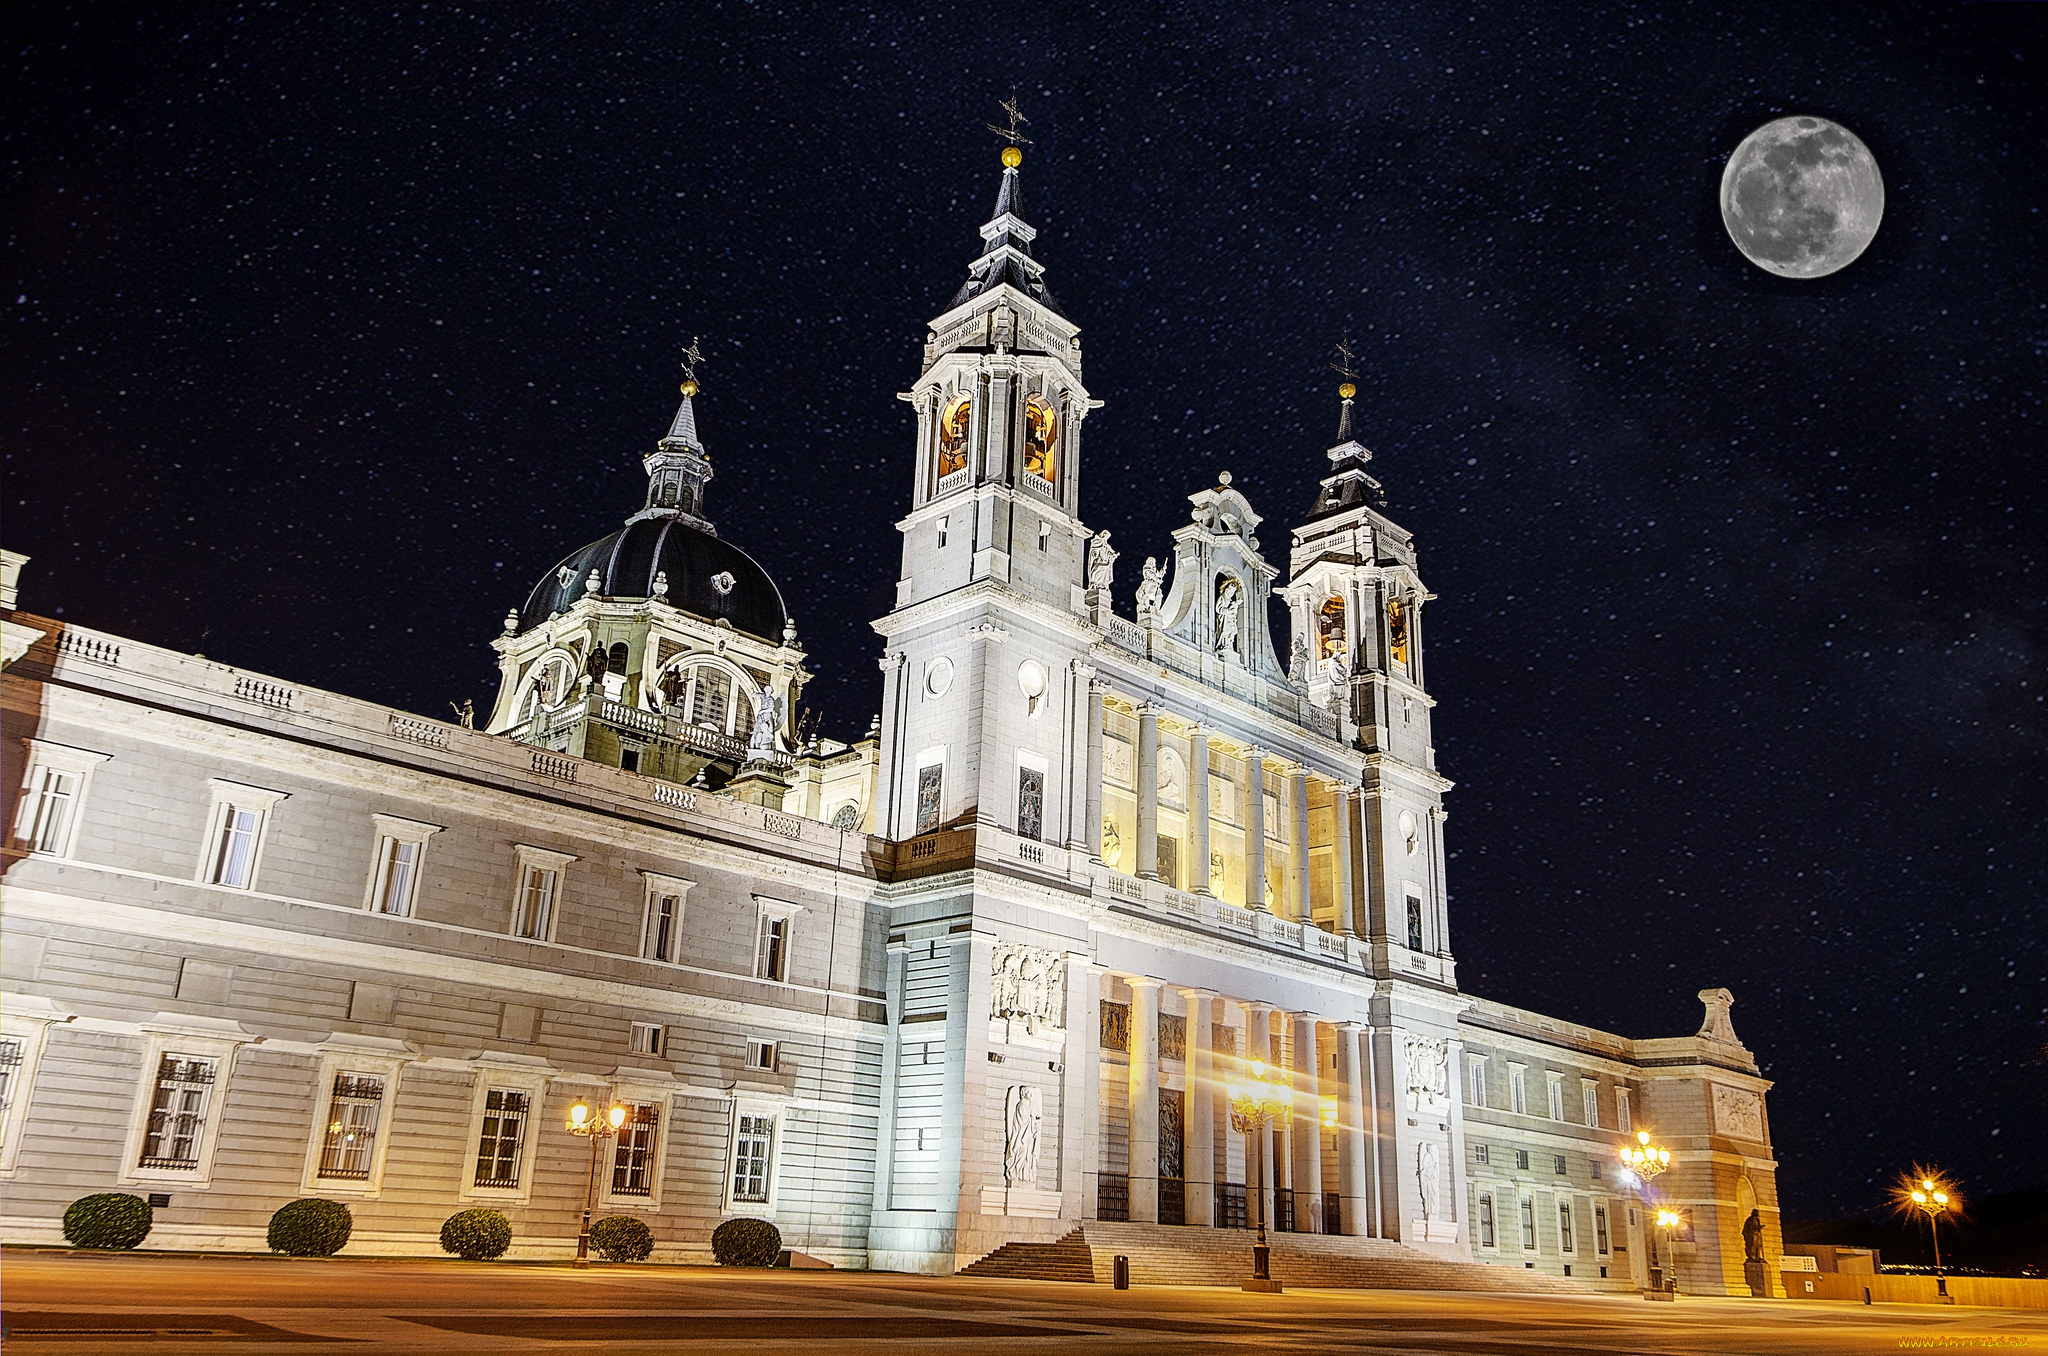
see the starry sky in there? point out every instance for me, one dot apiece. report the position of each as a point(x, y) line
point(328, 332)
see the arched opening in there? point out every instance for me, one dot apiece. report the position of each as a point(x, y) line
point(1041, 439)
point(953, 427)
point(1330, 628)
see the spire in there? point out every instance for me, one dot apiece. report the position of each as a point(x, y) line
point(1006, 239)
point(678, 467)
point(1350, 485)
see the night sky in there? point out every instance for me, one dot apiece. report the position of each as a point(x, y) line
point(328, 334)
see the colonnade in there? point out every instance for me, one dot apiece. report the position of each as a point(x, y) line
point(1328, 1069)
point(1295, 900)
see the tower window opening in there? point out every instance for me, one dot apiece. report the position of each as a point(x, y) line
point(953, 424)
point(942, 531)
point(615, 659)
point(1414, 923)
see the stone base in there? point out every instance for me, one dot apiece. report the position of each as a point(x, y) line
point(1659, 1295)
point(1260, 1287)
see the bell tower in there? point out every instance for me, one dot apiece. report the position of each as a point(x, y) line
point(1356, 599)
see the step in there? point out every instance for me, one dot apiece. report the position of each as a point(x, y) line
point(1068, 1259)
point(1168, 1255)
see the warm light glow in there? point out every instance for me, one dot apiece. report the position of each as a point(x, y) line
point(1667, 1219)
point(1329, 1113)
point(618, 1116)
point(1643, 1138)
point(578, 1115)
point(1259, 1070)
point(1927, 1190)
point(1235, 1092)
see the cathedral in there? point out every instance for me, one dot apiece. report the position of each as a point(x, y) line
point(1121, 929)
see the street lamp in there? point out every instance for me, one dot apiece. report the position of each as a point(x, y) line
point(1253, 1104)
point(1667, 1220)
point(1646, 1160)
point(1930, 1200)
point(583, 1121)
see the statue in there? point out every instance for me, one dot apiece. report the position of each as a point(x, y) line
point(1101, 561)
point(1753, 1237)
point(1340, 670)
point(1427, 1174)
point(1112, 845)
point(465, 712)
point(1429, 1077)
point(767, 716)
point(1024, 1120)
point(1151, 593)
point(1297, 662)
point(1229, 608)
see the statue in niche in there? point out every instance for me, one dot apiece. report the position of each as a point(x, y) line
point(1024, 1123)
point(1025, 986)
point(1753, 1237)
point(1101, 561)
point(767, 716)
point(1229, 621)
point(1428, 1178)
point(669, 690)
point(1151, 592)
point(1112, 845)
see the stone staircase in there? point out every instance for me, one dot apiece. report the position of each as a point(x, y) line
point(1166, 1255)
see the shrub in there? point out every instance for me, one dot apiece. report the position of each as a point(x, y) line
point(479, 1235)
point(112, 1219)
point(746, 1243)
point(621, 1238)
point(310, 1228)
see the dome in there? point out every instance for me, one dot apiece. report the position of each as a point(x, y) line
point(706, 576)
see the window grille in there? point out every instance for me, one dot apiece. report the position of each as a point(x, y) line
point(1600, 1229)
point(1522, 1159)
point(1557, 1164)
point(504, 1131)
point(1482, 1153)
point(1283, 1210)
point(1528, 1225)
point(750, 1158)
point(1112, 1196)
point(1564, 1228)
point(633, 1157)
point(352, 1126)
point(46, 813)
point(10, 1069)
point(234, 860)
point(1231, 1211)
point(713, 696)
point(177, 1112)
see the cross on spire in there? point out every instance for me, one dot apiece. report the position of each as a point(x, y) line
point(691, 357)
point(1346, 365)
point(1010, 133)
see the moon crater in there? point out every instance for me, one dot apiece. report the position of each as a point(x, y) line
point(1801, 197)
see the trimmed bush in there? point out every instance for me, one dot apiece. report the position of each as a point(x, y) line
point(311, 1228)
point(479, 1235)
point(746, 1243)
point(621, 1238)
point(111, 1219)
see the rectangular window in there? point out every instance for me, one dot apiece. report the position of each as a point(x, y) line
point(629, 760)
point(761, 1055)
point(356, 1101)
point(942, 531)
point(1593, 1168)
point(1276, 829)
point(10, 1075)
point(1556, 1100)
point(771, 955)
point(504, 1131)
point(1557, 1164)
point(1518, 1090)
point(1623, 1121)
point(633, 1157)
point(1589, 1102)
point(1522, 1159)
point(1482, 1153)
point(666, 916)
point(1477, 1083)
point(1030, 803)
point(394, 890)
point(177, 1112)
point(1564, 1228)
point(1600, 1229)
point(645, 1038)
point(537, 901)
point(1486, 1220)
point(930, 780)
point(751, 1147)
point(713, 697)
point(44, 820)
point(234, 855)
point(1528, 1225)
point(1414, 923)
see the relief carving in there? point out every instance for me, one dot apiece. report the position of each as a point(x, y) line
point(1025, 1120)
point(1429, 1077)
point(1738, 1112)
point(1029, 987)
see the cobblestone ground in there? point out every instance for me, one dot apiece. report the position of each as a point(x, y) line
point(71, 1302)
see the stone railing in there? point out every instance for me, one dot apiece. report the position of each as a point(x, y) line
point(430, 733)
point(80, 646)
point(1131, 895)
point(1213, 671)
point(264, 694)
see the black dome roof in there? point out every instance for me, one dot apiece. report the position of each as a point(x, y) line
point(627, 561)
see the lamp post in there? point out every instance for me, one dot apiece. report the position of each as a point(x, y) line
point(1930, 1200)
point(1253, 1104)
point(595, 1128)
point(1646, 1160)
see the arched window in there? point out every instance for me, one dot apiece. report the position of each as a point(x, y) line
point(1397, 630)
point(1330, 627)
point(953, 426)
point(706, 694)
point(549, 685)
point(615, 660)
point(1041, 439)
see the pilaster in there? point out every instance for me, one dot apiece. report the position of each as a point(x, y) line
point(1144, 1162)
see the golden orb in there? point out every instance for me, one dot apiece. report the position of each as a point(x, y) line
point(1012, 156)
point(1347, 390)
point(689, 388)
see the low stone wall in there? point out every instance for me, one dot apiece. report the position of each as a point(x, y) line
point(1994, 1292)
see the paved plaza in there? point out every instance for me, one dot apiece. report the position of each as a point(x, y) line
point(71, 1302)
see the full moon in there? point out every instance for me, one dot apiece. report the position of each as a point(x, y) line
point(1801, 197)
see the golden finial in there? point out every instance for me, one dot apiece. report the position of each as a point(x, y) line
point(1012, 157)
point(1346, 390)
point(691, 357)
point(689, 388)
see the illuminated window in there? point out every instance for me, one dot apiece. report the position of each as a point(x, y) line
point(1330, 628)
point(1565, 1242)
point(1041, 437)
point(502, 1136)
point(633, 1160)
point(355, 1103)
point(954, 422)
point(536, 909)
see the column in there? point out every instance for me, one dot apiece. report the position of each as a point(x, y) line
point(1096, 688)
point(1198, 811)
point(1198, 1154)
point(1307, 1136)
point(1348, 921)
point(1148, 792)
point(1351, 1175)
point(1297, 791)
point(1255, 835)
point(1080, 1091)
point(1258, 1045)
point(1144, 1100)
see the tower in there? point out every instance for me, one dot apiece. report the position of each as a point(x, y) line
point(983, 667)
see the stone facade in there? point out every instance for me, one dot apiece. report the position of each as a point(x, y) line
point(976, 977)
